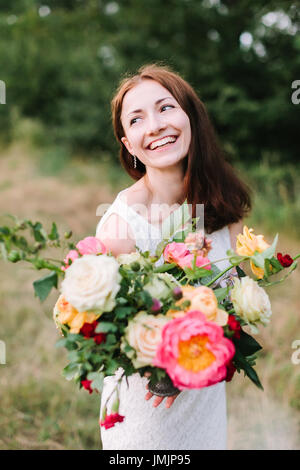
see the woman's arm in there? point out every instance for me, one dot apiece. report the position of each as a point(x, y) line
point(116, 235)
point(234, 230)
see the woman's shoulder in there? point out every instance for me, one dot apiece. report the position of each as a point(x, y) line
point(234, 230)
point(137, 193)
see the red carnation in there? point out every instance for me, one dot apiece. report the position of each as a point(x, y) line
point(111, 420)
point(230, 371)
point(87, 385)
point(234, 325)
point(99, 338)
point(285, 260)
point(88, 329)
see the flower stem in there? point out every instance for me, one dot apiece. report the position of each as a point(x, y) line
point(218, 275)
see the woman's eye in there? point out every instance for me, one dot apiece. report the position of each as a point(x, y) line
point(133, 121)
point(166, 106)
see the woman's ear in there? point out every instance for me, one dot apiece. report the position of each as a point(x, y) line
point(126, 142)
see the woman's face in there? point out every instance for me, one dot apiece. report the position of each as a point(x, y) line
point(157, 130)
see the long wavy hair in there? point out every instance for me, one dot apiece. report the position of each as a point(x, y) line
point(208, 178)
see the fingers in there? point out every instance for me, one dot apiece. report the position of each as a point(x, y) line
point(148, 396)
point(170, 401)
point(157, 401)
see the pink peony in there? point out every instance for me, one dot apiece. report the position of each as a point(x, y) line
point(87, 246)
point(194, 351)
point(178, 253)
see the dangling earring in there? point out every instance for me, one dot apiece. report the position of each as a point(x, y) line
point(134, 161)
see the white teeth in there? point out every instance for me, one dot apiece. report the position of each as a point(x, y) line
point(161, 142)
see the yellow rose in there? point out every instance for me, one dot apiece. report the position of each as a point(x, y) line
point(65, 314)
point(63, 311)
point(246, 245)
point(202, 298)
point(80, 319)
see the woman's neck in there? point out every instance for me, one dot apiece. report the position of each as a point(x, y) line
point(165, 185)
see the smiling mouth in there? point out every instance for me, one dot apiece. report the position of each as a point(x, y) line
point(162, 142)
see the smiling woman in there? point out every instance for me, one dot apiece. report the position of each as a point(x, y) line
point(169, 147)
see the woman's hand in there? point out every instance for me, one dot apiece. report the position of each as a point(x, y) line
point(169, 400)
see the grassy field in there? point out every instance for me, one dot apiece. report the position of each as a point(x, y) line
point(39, 408)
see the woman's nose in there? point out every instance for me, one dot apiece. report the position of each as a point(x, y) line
point(155, 124)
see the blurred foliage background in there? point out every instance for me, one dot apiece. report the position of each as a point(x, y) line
point(61, 61)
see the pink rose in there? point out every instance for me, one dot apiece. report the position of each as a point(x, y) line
point(72, 255)
point(194, 351)
point(187, 261)
point(91, 246)
point(87, 246)
point(174, 252)
point(178, 253)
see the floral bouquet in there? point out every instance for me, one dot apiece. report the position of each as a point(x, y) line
point(180, 322)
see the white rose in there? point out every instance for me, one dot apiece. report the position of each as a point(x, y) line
point(250, 301)
point(161, 285)
point(92, 283)
point(128, 258)
point(143, 334)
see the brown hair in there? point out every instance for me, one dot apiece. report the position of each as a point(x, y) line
point(208, 177)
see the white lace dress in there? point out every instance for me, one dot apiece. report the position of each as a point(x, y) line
point(197, 419)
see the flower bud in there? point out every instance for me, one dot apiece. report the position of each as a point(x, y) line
point(156, 306)
point(135, 266)
point(14, 256)
point(177, 293)
point(68, 234)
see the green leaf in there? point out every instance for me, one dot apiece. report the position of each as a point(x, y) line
point(71, 370)
point(247, 344)
point(221, 293)
point(160, 248)
point(38, 232)
point(5, 231)
point(123, 312)
point(242, 363)
point(97, 380)
point(210, 274)
point(258, 259)
point(275, 263)
point(111, 366)
point(105, 326)
point(110, 340)
point(43, 286)
point(175, 221)
point(165, 267)
point(54, 233)
point(269, 252)
point(61, 343)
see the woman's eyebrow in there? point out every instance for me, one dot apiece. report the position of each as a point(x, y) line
point(156, 102)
